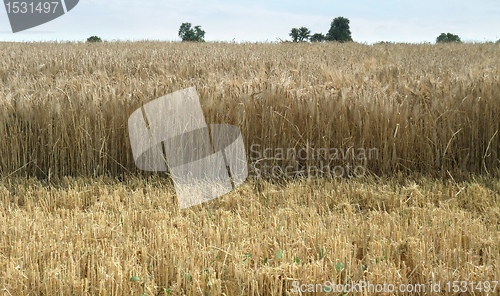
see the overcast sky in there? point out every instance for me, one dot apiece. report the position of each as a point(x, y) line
point(267, 20)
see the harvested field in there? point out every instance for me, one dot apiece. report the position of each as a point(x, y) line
point(78, 218)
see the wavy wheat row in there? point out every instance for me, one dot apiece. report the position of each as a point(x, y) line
point(428, 109)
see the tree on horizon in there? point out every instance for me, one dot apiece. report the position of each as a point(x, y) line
point(317, 37)
point(186, 33)
point(446, 38)
point(339, 30)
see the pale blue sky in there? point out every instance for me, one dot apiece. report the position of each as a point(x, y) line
point(260, 20)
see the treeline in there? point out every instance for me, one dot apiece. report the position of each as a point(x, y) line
point(339, 31)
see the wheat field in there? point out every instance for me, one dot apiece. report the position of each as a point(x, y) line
point(78, 218)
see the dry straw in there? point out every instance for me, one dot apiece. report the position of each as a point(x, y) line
point(91, 236)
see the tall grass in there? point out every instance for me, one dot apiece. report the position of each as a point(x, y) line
point(427, 109)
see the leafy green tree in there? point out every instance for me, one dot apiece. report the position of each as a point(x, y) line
point(317, 37)
point(339, 30)
point(94, 39)
point(304, 34)
point(294, 33)
point(445, 38)
point(186, 33)
point(300, 34)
